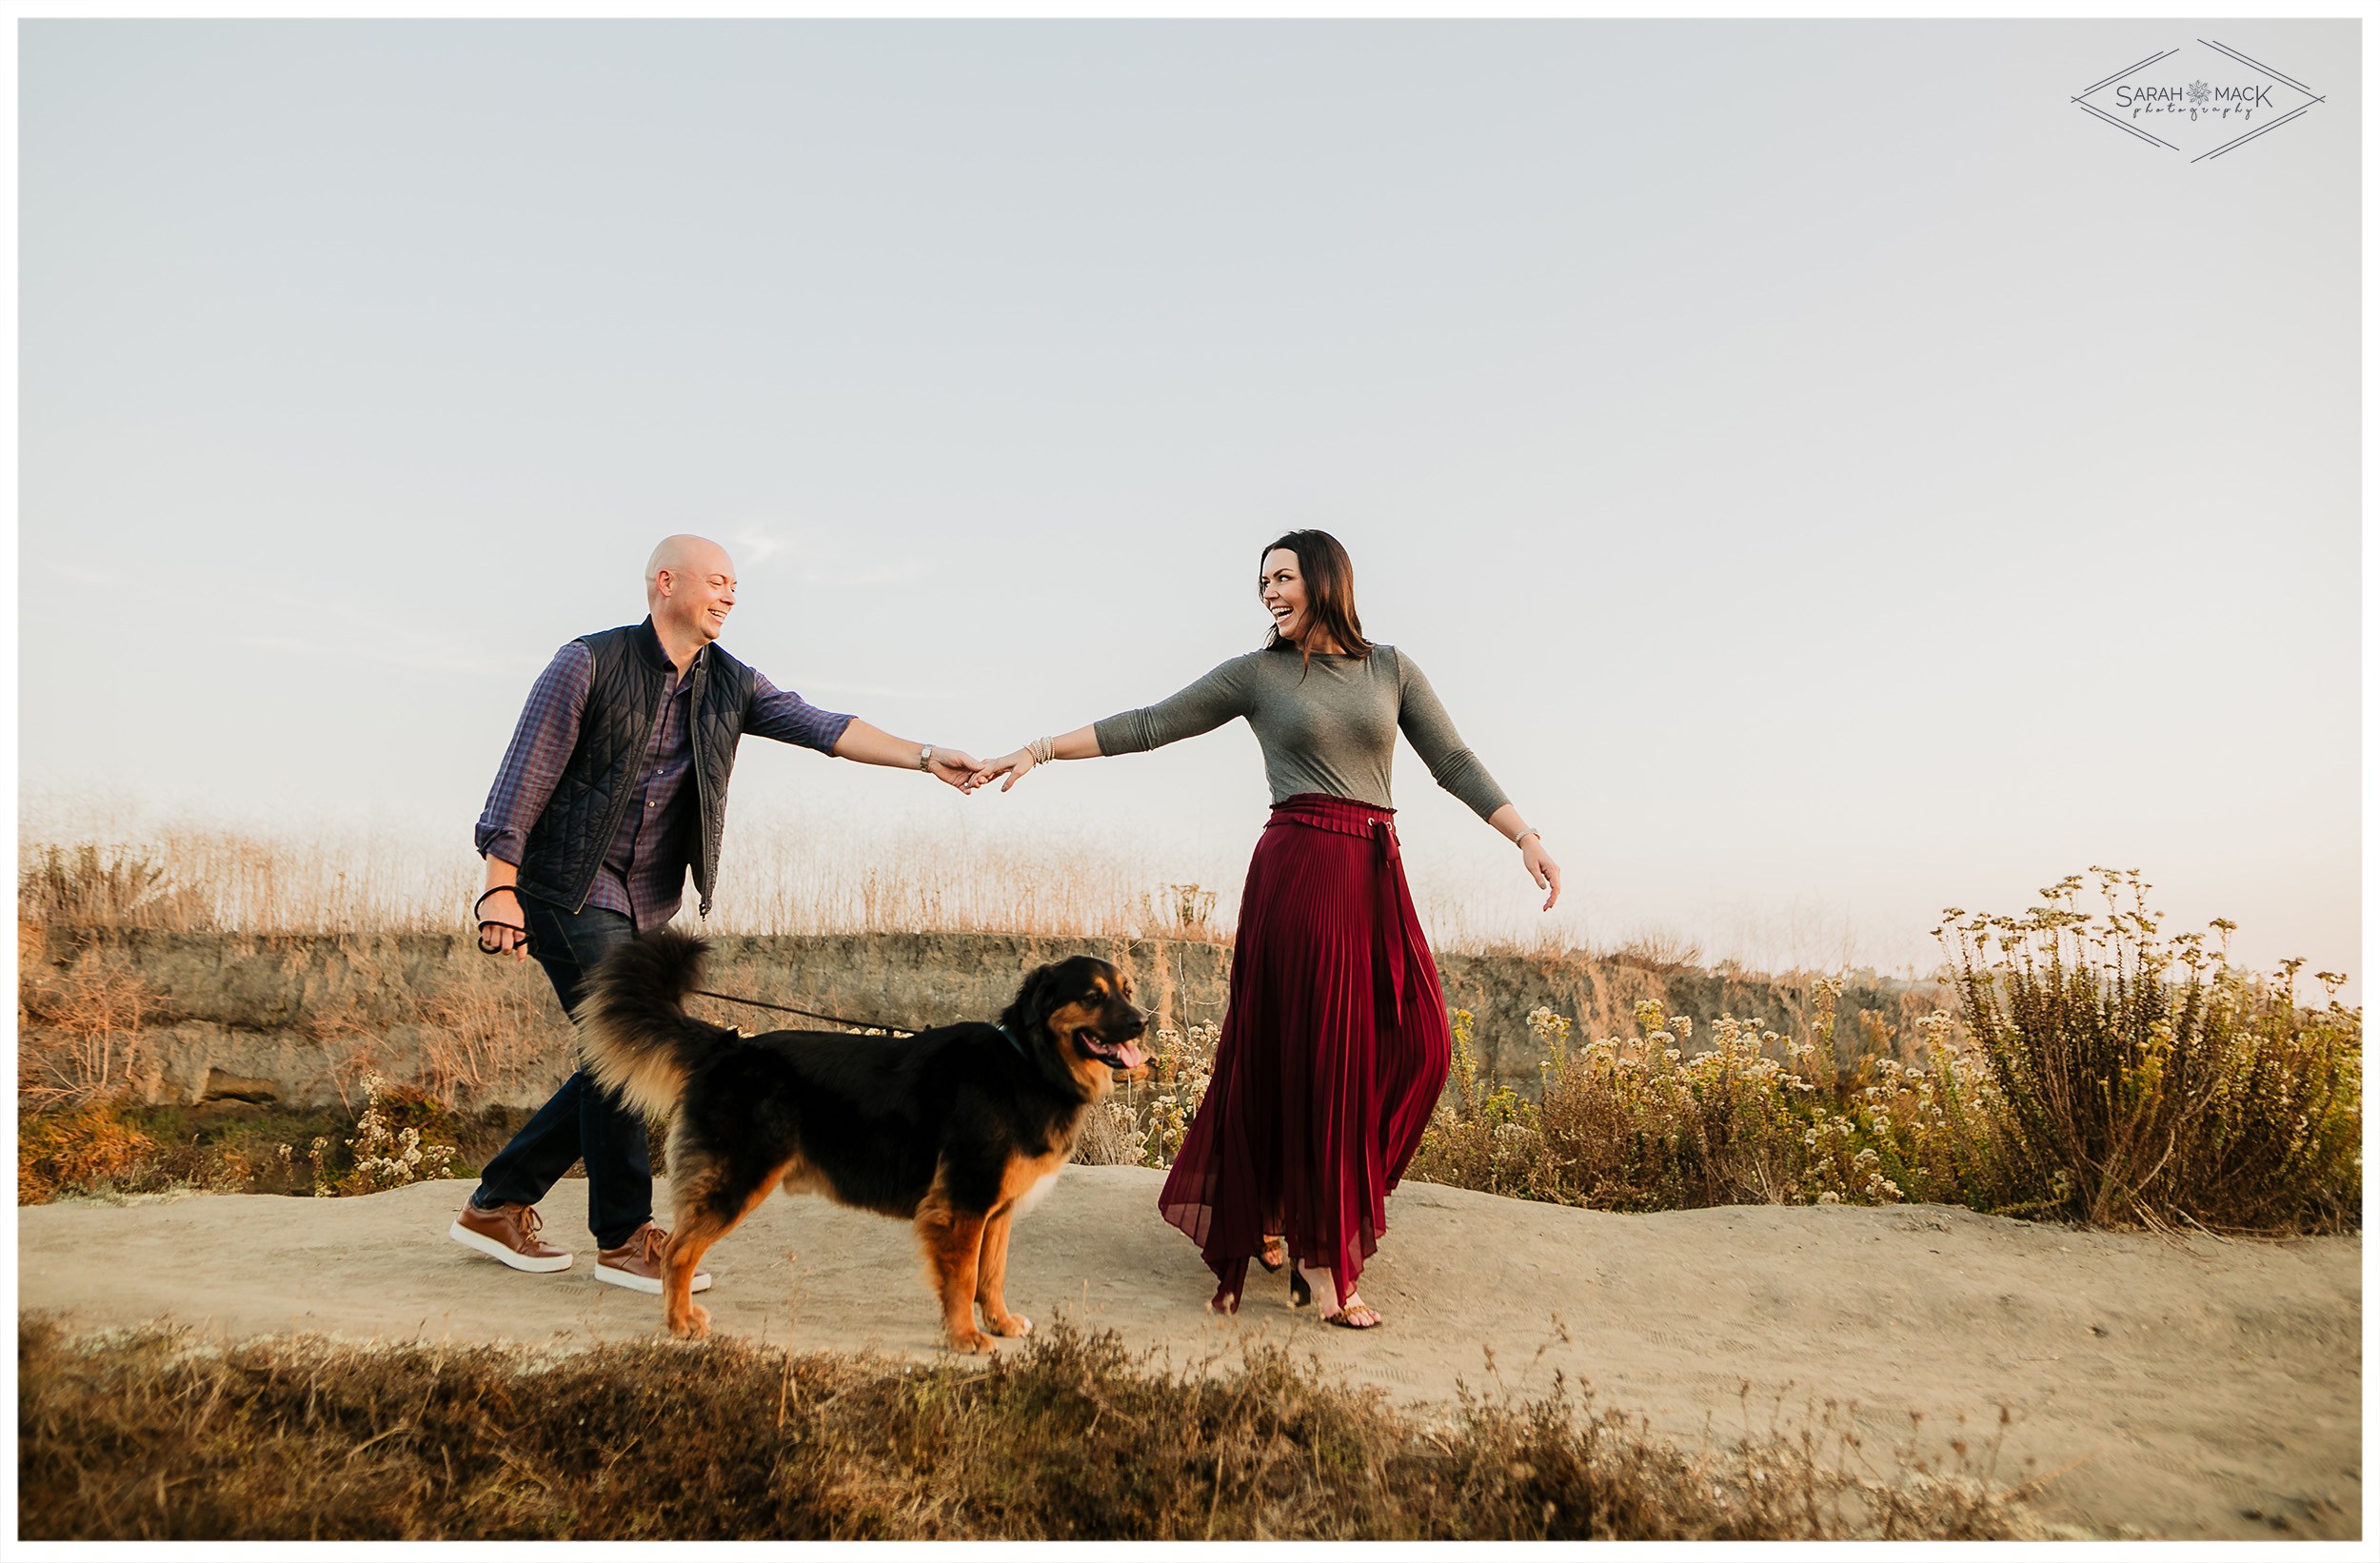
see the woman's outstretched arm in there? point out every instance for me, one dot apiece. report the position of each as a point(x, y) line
point(1202, 707)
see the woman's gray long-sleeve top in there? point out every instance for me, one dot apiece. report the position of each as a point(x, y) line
point(1328, 727)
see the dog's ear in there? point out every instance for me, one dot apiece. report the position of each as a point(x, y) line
point(1035, 999)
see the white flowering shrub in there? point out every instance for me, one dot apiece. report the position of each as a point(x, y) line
point(388, 1152)
point(1141, 1124)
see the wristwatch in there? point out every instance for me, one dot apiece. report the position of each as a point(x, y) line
point(926, 758)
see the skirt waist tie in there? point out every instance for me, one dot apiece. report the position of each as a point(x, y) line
point(1345, 817)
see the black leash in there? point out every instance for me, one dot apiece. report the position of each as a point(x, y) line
point(487, 948)
point(805, 1014)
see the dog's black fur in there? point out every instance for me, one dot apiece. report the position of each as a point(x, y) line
point(951, 1129)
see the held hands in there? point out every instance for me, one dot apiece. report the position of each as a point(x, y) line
point(1012, 765)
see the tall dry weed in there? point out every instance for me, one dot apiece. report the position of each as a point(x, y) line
point(85, 885)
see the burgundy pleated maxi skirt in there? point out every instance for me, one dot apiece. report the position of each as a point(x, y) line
point(1333, 1052)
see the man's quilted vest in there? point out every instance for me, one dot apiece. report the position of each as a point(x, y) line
point(566, 845)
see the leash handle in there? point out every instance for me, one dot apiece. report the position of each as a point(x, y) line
point(485, 924)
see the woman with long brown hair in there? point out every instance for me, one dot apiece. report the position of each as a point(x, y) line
point(1335, 1042)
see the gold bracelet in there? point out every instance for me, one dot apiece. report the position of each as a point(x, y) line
point(1043, 750)
point(1526, 834)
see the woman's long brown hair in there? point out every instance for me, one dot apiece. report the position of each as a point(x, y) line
point(1330, 577)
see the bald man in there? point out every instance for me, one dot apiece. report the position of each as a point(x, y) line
point(614, 786)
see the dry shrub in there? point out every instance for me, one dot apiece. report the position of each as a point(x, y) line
point(79, 1028)
point(2147, 1080)
point(1630, 1124)
point(144, 1438)
point(81, 1149)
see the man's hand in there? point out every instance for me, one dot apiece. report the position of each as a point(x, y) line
point(501, 905)
point(956, 766)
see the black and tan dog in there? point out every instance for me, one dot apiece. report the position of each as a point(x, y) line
point(956, 1129)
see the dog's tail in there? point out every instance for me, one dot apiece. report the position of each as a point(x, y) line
point(637, 1037)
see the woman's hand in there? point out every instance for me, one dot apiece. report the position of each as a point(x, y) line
point(1013, 765)
point(1541, 868)
point(1082, 743)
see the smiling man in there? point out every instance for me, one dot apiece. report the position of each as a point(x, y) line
point(614, 786)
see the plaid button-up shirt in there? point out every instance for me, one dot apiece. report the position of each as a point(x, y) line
point(644, 872)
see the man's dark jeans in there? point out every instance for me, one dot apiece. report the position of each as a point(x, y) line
point(582, 1119)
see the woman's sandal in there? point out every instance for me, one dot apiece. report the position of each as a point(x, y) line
point(1345, 1318)
point(1272, 1253)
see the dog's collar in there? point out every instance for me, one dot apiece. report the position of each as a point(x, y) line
point(1010, 1038)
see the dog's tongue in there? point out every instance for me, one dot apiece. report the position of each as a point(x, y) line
point(1123, 1055)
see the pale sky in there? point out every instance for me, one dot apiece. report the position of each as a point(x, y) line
point(1826, 475)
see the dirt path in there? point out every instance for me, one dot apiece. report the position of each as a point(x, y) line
point(2176, 1386)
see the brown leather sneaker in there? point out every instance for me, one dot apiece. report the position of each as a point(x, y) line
point(508, 1233)
point(635, 1263)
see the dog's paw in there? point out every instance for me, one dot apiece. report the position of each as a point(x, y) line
point(1013, 1324)
point(974, 1342)
point(695, 1326)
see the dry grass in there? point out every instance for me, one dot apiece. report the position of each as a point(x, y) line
point(189, 879)
point(147, 1437)
point(792, 880)
point(86, 868)
point(2094, 1072)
